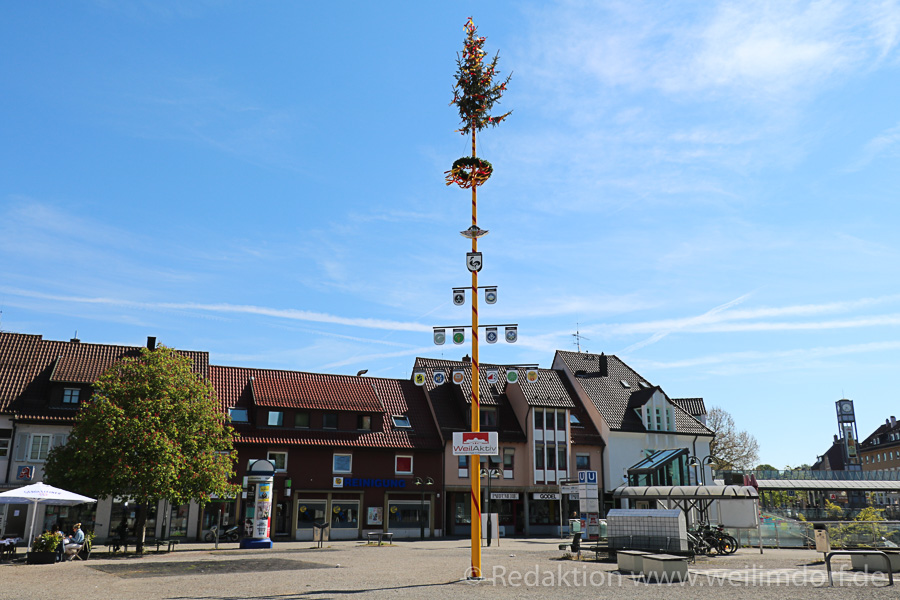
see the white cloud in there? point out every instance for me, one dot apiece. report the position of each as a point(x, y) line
point(225, 308)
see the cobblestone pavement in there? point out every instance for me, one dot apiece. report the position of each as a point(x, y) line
point(518, 568)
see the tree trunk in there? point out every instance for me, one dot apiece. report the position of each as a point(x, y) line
point(141, 526)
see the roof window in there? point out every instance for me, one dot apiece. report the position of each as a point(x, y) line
point(238, 415)
point(573, 419)
point(625, 384)
point(401, 422)
point(645, 385)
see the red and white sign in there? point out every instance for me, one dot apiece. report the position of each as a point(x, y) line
point(477, 442)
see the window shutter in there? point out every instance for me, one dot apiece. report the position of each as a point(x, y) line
point(22, 446)
point(58, 440)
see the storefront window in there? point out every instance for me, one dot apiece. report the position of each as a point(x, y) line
point(178, 521)
point(127, 512)
point(407, 514)
point(461, 509)
point(212, 511)
point(310, 512)
point(345, 514)
point(67, 516)
point(544, 512)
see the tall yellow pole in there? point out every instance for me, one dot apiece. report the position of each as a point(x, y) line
point(475, 470)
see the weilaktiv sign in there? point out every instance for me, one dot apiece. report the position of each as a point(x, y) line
point(475, 442)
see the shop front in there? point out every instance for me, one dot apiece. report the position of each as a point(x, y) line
point(544, 513)
point(509, 507)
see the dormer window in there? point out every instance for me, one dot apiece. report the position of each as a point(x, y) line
point(238, 415)
point(364, 423)
point(401, 422)
point(71, 395)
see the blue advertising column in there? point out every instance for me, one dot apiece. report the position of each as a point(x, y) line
point(258, 504)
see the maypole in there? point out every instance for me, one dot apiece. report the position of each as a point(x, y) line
point(474, 95)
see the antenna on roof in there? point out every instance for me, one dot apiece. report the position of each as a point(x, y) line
point(578, 337)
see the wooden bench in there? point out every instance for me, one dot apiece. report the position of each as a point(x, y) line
point(167, 542)
point(380, 536)
point(664, 567)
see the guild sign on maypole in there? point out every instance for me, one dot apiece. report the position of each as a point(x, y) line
point(475, 94)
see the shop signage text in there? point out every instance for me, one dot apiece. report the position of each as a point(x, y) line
point(475, 442)
point(546, 496)
point(360, 482)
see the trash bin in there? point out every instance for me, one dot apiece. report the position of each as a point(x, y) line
point(823, 543)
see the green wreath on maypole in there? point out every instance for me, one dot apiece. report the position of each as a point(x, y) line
point(474, 94)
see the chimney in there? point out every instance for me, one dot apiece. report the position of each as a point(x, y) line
point(893, 421)
point(151, 342)
point(75, 341)
point(603, 366)
point(835, 438)
point(466, 359)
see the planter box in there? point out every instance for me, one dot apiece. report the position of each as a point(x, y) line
point(40, 558)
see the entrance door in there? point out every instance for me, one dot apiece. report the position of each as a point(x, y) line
point(282, 525)
point(15, 520)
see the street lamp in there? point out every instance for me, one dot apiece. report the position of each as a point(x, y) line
point(490, 474)
point(418, 481)
point(695, 462)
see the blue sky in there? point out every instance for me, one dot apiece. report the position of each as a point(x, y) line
point(706, 189)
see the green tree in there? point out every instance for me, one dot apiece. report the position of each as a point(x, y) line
point(151, 430)
point(732, 449)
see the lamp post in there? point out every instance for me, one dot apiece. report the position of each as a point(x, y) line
point(418, 481)
point(490, 474)
point(695, 462)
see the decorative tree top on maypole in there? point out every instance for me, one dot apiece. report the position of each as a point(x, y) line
point(476, 91)
point(474, 94)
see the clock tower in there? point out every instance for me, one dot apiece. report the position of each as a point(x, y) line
point(846, 418)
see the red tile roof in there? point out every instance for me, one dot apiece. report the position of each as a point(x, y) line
point(316, 391)
point(393, 396)
point(29, 364)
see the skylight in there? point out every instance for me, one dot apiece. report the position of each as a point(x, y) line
point(401, 422)
point(625, 384)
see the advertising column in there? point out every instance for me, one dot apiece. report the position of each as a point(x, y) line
point(258, 511)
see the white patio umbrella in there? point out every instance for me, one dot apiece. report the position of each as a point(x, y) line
point(39, 493)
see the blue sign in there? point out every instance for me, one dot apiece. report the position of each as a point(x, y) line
point(587, 476)
point(360, 482)
point(25, 473)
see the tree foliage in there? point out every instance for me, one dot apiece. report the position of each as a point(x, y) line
point(732, 449)
point(151, 430)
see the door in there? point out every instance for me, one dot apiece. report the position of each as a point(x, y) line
point(15, 520)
